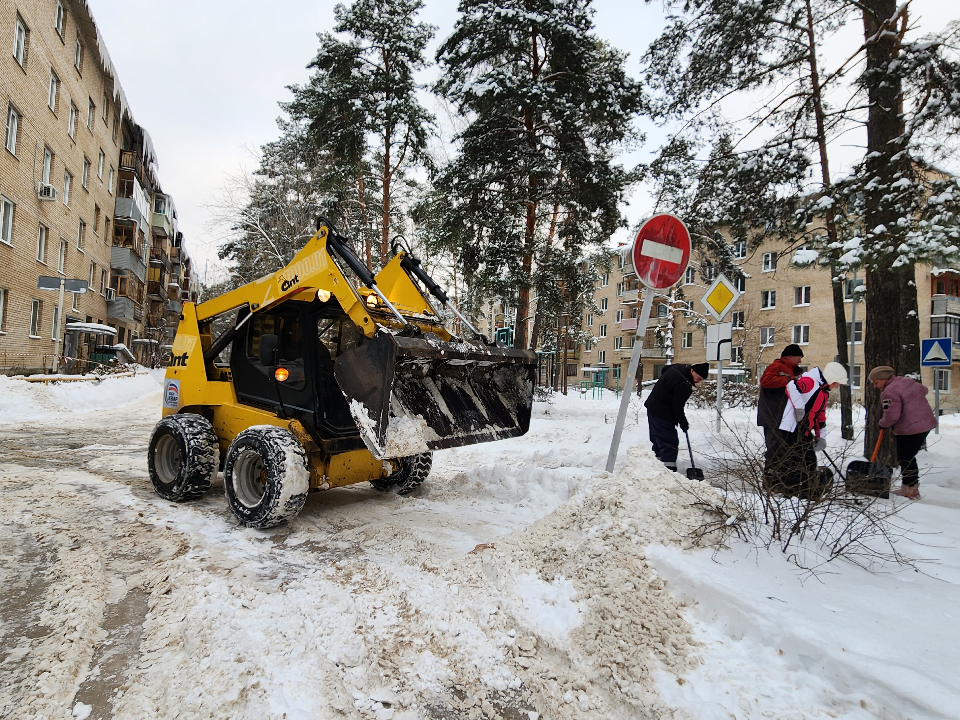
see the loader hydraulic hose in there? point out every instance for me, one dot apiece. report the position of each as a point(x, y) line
point(336, 243)
point(412, 265)
point(221, 342)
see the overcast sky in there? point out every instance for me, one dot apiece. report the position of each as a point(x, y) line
point(204, 78)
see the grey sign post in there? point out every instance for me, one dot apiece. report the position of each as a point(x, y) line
point(78, 287)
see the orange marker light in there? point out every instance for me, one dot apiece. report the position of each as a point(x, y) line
point(281, 374)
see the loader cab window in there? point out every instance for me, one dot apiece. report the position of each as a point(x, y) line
point(336, 336)
point(289, 329)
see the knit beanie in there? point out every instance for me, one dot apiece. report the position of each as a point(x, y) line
point(792, 350)
point(881, 372)
point(701, 369)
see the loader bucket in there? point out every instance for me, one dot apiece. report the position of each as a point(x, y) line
point(410, 395)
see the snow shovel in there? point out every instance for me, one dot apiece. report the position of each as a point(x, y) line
point(693, 472)
point(869, 478)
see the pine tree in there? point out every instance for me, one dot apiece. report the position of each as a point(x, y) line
point(535, 187)
point(361, 105)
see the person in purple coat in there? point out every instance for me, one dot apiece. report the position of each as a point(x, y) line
point(908, 414)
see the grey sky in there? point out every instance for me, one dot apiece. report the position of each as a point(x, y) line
point(205, 77)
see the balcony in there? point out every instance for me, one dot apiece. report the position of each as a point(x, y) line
point(126, 209)
point(123, 258)
point(945, 305)
point(629, 297)
point(175, 306)
point(628, 269)
point(628, 324)
point(125, 309)
point(158, 257)
point(162, 227)
point(156, 290)
point(645, 352)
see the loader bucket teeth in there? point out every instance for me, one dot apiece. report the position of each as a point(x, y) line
point(415, 394)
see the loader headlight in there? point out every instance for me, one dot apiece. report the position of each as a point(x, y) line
point(323, 295)
point(371, 301)
point(281, 374)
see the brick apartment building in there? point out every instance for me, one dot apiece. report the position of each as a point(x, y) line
point(79, 197)
point(781, 304)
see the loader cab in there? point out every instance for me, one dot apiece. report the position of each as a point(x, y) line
point(309, 337)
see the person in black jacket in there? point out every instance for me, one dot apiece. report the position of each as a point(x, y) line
point(665, 409)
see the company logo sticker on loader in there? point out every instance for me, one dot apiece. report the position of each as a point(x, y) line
point(171, 394)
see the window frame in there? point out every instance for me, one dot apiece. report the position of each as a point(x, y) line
point(737, 319)
point(55, 325)
point(803, 293)
point(768, 300)
point(619, 316)
point(12, 133)
point(603, 304)
point(62, 256)
point(43, 232)
point(47, 167)
point(853, 331)
point(602, 331)
point(686, 341)
point(605, 279)
point(938, 375)
point(770, 332)
point(101, 159)
point(770, 261)
point(58, 19)
point(803, 334)
point(21, 38)
point(601, 357)
point(67, 186)
point(36, 312)
point(53, 91)
point(81, 232)
point(617, 342)
point(78, 56)
point(85, 173)
point(72, 121)
point(91, 113)
point(740, 250)
point(8, 210)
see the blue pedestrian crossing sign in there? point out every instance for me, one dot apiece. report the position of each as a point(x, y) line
point(936, 352)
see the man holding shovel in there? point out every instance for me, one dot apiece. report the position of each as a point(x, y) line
point(665, 409)
point(908, 414)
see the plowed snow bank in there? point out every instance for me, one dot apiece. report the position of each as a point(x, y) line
point(21, 400)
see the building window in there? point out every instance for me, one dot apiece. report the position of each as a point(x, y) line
point(36, 307)
point(100, 158)
point(663, 310)
point(74, 302)
point(110, 181)
point(6, 221)
point(769, 262)
point(52, 94)
point(603, 304)
point(85, 174)
point(603, 331)
point(62, 257)
point(55, 328)
point(941, 379)
point(740, 283)
point(96, 218)
point(619, 289)
point(766, 336)
point(690, 276)
point(945, 326)
point(81, 231)
point(78, 56)
point(106, 229)
point(856, 336)
point(801, 334)
point(605, 280)
point(103, 281)
point(768, 299)
point(601, 357)
point(91, 113)
point(588, 345)
point(20, 37)
point(13, 125)
point(736, 355)
point(619, 316)
point(686, 340)
point(857, 375)
point(47, 166)
point(617, 342)
point(3, 310)
point(67, 184)
point(42, 244)
point(58, 20)
point(801, 296)
point(737, 320)
point(104, 108)
point(589, 320)
point(848, 286)
point(93, 275)
point(740, 249)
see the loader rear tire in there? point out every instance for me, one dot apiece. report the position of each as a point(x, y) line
point(183, 457)
point(413, 471)
point(265, 476)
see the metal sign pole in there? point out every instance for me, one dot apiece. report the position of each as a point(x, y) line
point(631, 376)
point(56, 347)
point(853, 333)
point(719, 385)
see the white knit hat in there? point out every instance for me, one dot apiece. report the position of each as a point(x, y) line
point(834, 372)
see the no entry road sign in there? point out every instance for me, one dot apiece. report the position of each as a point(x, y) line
point(661, 251)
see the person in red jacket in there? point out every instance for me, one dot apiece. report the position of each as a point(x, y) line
point(773, 399)
point(908, 414)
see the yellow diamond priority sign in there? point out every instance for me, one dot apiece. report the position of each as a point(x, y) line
point(721, 296)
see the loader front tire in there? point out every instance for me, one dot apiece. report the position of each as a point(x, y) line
point(413, 471)
point(183, 457)
point(265, 476)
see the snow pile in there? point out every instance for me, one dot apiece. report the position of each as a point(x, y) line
point(21, 400)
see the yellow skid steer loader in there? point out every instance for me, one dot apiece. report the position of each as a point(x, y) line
point(323, 382)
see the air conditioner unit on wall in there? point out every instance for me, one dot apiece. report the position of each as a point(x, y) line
point(111, 294)
point(47, 192)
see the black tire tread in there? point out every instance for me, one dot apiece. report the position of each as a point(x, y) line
point(202, 456)
point(413, 471)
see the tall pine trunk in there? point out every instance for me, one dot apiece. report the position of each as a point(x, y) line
point(885, 306)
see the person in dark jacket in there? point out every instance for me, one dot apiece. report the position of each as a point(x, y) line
point(773, 399)
point(665, 409)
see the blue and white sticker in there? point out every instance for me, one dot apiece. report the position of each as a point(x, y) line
point(171, 394)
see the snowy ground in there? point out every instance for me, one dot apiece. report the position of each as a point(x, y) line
point(519, 580)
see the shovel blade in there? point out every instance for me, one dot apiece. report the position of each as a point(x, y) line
point(695, 474)
point(410, 395)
